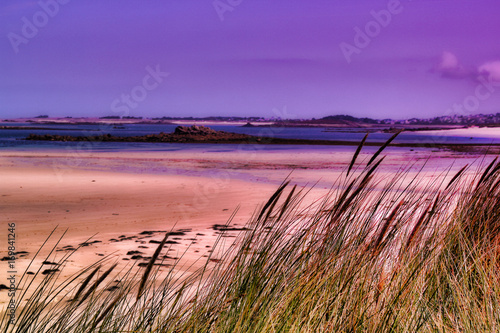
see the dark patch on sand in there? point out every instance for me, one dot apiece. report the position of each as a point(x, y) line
point(223, 227)
point(89, 243)
point(50, 271)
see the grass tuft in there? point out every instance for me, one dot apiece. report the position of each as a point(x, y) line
point(396, 255)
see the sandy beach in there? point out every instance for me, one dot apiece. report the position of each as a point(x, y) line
point(484, 132)
point(126, 201)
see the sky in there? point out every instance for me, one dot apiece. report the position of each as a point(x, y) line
point(283, 58)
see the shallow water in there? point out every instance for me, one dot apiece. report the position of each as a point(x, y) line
point(12, 139)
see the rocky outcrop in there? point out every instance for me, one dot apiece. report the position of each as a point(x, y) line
point(194, 130)
point(187, 134)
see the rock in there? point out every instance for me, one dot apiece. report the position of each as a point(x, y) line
point(182, 134)
point(193, 130)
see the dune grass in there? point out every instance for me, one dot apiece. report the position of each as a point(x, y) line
point(409, 257)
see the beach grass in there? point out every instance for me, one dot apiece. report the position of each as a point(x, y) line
point(373, 255)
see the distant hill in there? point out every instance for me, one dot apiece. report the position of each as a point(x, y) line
point(336, 121)
point(344, 117)
point(342, 120)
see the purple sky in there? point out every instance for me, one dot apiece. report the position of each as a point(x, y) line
point(249, 57)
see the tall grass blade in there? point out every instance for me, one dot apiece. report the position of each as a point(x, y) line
point(96, 284)
point(287, 202)
point(383, 231)
point(358, 150)
point(486, 171)
point(273, 198)
point(461, 171)
point(383, 147)
point(417, 226)
point(86, 282)
point(495, 169)
point(149, 267)
point(107, 310)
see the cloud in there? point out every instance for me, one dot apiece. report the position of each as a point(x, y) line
point(491, 70)
point(449, 61)
point(449, 67)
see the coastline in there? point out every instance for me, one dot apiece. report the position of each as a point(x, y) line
point(335, 125)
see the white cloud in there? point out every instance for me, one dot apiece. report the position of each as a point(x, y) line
point(449, 61)
point(491, 70)
point(450, 68)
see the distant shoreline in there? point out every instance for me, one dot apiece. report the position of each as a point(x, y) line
point(327, 126)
